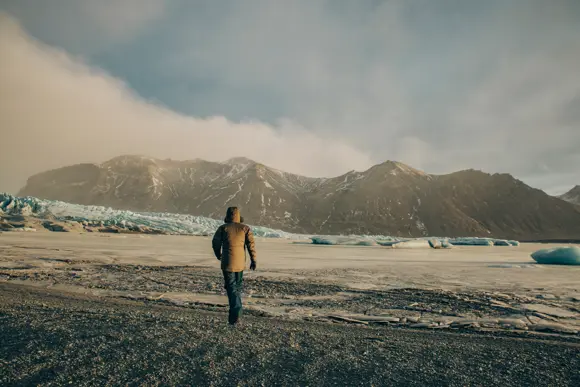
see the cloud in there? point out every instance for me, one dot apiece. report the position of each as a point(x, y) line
point(84, 26)
point(56, 110)
point(441, 85)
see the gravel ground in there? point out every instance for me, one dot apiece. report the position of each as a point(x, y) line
point(54, 338)
point(200, 280)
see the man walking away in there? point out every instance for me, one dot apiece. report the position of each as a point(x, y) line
point(229, 244)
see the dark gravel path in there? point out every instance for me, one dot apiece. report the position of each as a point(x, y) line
point(52, 338)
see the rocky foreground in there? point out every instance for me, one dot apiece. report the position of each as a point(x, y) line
point(20, 223)
point(54, 338)
point(201, 288)
point(108, 309)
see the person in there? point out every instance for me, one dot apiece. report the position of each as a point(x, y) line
point(229, 245)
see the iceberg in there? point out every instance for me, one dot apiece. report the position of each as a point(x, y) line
point(413, 244)
point(558, 256)
point(440, 243)
point(386, 241)
point(474, 241)
point(342, 241)
point(471, 242)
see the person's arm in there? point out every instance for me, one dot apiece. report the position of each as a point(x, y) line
point(217, 242)
point(251, 246)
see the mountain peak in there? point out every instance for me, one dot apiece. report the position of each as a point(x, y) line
point(572, 196)
point(129, 159)
point(239, 161)
point(396, 167)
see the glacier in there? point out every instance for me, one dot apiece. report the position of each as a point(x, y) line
point(178, 224)
point(182, 224)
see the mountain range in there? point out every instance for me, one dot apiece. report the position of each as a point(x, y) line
point(388, 199)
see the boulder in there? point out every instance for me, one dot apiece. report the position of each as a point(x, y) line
point(55, 227)
point(554, 327)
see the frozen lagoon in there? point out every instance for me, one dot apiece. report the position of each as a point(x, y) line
point(505, 269)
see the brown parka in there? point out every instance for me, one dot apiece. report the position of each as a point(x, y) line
point(230, 241)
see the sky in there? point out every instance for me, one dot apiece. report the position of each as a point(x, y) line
point(314, 87)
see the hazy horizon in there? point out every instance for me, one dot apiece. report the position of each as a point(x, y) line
point(316, 88)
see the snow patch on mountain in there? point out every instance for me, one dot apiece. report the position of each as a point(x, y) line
point(572, 196)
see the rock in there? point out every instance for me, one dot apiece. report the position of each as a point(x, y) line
point(489, 322)
point(413, 319)
point(502, 304)
point(346, 319)
point(546, 297)
point(109, 229)
point(554, 327)
point(544, 316)
point(502, 296)
point(423, 325)
point(56, 227)
point(6, 226)
point(512, 323)
point(534, 320)
point(380, 319)
point(442, 326)
point(550, 310)
point(465, 324)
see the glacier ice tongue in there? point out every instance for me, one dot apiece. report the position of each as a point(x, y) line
point(183, 224)
point(167, 222)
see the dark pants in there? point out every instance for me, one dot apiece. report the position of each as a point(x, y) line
point(233, 285)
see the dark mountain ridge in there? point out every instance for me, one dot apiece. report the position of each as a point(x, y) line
point(389, 198)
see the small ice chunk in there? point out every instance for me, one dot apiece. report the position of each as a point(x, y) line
point(413, 244)
point(440, 243)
